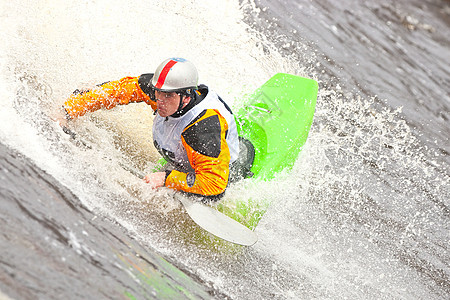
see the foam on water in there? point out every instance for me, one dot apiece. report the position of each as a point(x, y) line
point(352, 219)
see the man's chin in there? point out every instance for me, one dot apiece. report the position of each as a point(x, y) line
point(162, 114)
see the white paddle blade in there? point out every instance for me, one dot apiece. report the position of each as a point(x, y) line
point(217, 223)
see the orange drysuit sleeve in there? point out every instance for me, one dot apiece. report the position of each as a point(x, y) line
point(208, 154)
point(107, 95)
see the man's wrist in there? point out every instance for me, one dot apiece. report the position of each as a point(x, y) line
point(66, 113)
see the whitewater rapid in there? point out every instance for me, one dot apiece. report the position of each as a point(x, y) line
point(363, 213)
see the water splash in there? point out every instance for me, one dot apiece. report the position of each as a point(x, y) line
point(364, 213)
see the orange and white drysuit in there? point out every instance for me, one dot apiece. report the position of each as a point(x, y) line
point(199, 142)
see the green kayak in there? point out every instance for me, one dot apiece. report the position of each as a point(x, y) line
point(273, 125)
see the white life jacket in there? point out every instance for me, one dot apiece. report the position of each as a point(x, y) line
point(167, 131)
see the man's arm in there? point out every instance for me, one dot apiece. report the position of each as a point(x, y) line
point(107, 95)
point(208, 154)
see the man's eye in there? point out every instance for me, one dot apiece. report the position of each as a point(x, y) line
point(167, 95)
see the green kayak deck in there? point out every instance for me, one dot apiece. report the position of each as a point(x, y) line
point(276, 119)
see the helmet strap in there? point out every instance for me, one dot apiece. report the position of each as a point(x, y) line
point(180, 106)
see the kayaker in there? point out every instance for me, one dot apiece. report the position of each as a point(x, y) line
point(194, 129)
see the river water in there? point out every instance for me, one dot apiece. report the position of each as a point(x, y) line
point(364, 214)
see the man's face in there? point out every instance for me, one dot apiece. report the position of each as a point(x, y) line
point(167, 103)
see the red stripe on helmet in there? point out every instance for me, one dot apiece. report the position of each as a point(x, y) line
point(163, 74)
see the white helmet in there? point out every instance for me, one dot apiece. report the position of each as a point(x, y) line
point(175, 75)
